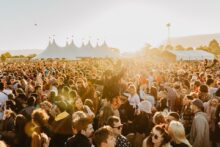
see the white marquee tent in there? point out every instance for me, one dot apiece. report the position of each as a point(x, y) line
point(71, 51)
point(191, 55)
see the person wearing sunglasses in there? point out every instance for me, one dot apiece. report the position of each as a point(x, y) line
point(115, 123)
point(159, 137)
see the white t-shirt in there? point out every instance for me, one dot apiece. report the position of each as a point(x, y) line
point(133, 100)
point(3, 98)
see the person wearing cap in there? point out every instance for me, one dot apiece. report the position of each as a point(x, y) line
point(199, 134)
point(115, 123)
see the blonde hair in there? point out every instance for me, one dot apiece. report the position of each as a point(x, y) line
point(177, 132)
point(2, 144)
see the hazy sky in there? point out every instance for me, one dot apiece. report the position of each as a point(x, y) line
point(124, 24)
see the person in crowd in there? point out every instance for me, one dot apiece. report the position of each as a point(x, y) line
point(3, 96)
point(142, 124)
point(177, 133)
point(115, 123)
point(133, 97)
point(18, 136)
point(158, 138)
point(39, 136)
point(204, 93)
point(145, 94)
point(211, 85)
point(82, 130)
point(159, 118)
point(78, 106)
point(216, 136)
point(172, 116)
point(111, 108)
point(187, 114)
point(2, 144)
point(27, 111)
point(199, 134)
point(104, 137)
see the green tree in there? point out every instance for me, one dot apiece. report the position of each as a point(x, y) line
point(214, 47)
point(189, 49)
point(168, 47)
point(31, 56)
point(8, 55)
point(204, 48)
point(3, 58)
point(180, 47)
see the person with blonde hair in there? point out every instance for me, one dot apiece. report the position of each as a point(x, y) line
point(177, 132)
point(2, 144)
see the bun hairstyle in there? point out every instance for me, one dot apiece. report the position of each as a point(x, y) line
point(164, 133)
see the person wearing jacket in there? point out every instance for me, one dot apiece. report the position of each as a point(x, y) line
point(199, 134)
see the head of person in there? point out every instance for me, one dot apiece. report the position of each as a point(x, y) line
point(158, 136)
point(104, 137)
point(80, 83)
point(65, 91)
point(214, 103)
point(115, 123)
point(210, 82)
point(9, 113)
point(177, 132)
point(115, 102)
point(38, 89)
point(78, 104)
point(83, 125)
point(203, 89)
point(172, 116)
point(72, 94)
point(75, 117)
point(153, 91)
point(197, 105)
point(20, 122)
point(217, 93)
point(197, 83)
point(46, 105)
point(187, 100)
point(90, 104)
point(1, 86)
point(40, 117)
point(158, 118)
point(132, 89)
point(31, 101)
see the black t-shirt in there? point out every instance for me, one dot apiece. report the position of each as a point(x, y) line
point(78, 141)
point(179, 145)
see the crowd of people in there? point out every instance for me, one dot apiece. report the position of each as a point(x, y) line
point(110, 103)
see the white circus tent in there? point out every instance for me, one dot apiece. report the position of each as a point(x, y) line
point(71, 51)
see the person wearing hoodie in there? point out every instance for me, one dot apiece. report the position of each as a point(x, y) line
point(199, 134)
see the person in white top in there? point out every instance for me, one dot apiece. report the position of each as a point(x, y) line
point(3, 99)
point(133, 97)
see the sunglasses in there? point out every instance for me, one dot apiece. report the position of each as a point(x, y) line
point(155, 135)
point(119, 127)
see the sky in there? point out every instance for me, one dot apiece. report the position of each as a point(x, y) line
point(124, 24)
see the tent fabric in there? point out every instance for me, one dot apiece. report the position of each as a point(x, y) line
point(192, 55)
point(72, 52)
